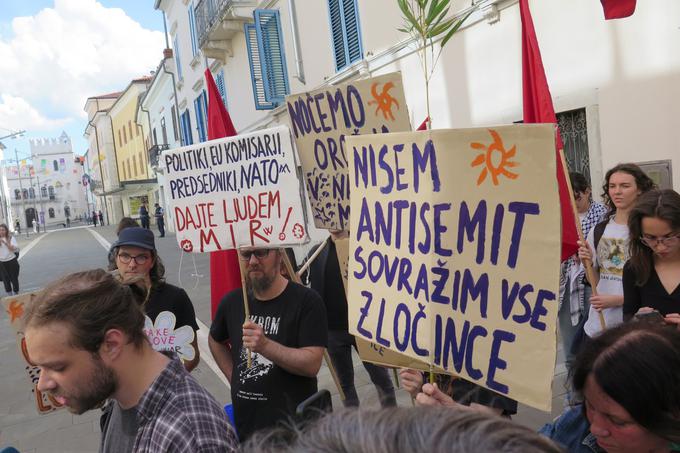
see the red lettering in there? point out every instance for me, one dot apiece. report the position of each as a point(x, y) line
point(207, 238)
point(254, 226)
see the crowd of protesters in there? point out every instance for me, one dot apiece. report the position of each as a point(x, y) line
point(93, 334)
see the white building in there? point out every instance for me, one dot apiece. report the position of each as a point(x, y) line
point(47, 186)
point(614, 83)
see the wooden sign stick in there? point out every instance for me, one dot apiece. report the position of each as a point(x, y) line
point(590, 274)
point(311, 259)
point(246, 309)
point(296, 278)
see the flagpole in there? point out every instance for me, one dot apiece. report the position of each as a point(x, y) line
point(588, 264)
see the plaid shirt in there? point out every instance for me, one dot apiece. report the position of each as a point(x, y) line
point(176, 414)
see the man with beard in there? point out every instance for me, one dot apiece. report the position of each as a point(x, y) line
point(85, 332)
point(286, 335)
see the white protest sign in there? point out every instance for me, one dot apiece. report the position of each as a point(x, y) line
point(455, 252)
point(236, 192)
point(164, 337)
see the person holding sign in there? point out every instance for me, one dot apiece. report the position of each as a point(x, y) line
point(326, 279)
point(651, 278)
point(286, 336)
point(609, 238)
point(574, 292)
point(86, 334)
point(170, 317)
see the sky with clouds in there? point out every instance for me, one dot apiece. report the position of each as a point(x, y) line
point(55, 54)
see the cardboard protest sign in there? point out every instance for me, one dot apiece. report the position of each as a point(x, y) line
point(455, 252)
point(163, 335)
point(15, 307)
point(369, 351)
point(321, 120)
point(236, 192)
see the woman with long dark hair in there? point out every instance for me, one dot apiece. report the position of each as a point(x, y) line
point(9, 261)
point(651, 277)
point(609, 239)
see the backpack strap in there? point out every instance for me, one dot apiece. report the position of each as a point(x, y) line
point(598, 232)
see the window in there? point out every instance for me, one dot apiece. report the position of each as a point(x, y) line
point(50, 189)
point(192, 30)
point(17, 194)
point(178, 62)
point(345, 32)
point(130, 129)
point(31, 192)
point(124, 135)
point(50, 212)
point(43, 192)
point(173, 112)
point(155, 139)
point(134, 164)
point(164, 132)
point(221, 87)
point(185, 122)
point(267, 59)
point(201, 111)
point(120, 138)
point(55, 165)
point(24, 194)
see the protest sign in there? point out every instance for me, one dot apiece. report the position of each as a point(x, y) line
point(236, 192)
point(15, 307)
point(455, 252)
point(321, 120)
point(369, 351)
point(163, 335)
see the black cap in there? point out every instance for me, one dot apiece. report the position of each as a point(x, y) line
point(136, 237)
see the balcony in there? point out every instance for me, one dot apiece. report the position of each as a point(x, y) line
point(217, 21)
point(155, 153)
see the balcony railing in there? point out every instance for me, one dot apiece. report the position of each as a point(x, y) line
point(155, 153)
point(210, 14)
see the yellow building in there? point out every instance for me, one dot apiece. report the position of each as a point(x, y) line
point(136, 176)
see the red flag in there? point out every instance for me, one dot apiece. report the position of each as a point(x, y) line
point(618, 9)
point(538, 108)
point(224, 270)
point(423, 125)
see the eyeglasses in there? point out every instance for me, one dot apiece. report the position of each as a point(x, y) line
point(139, 259)
point(667, 241)
point(259, 254)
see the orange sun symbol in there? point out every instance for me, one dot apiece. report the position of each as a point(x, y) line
point(487, 157)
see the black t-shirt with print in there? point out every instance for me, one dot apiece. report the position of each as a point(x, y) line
point(266, 393)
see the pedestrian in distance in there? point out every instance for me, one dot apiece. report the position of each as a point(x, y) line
point(286, 335)
point(94, 219)
point(651, 277)
point(160, 222)
point(144, 216)
point(86, 334)
point(9, 260)
point(170, 316)
point(101, 218)
point(17, 226)
point(623, 184)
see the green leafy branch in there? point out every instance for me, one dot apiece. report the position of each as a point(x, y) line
point(426, 21)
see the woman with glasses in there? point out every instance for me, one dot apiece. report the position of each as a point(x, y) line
point(651, 277)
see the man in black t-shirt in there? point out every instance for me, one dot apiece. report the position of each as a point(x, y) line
point(286, 335)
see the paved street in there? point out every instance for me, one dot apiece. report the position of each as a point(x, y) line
point(49, 255)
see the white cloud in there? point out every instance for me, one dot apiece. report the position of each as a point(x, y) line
point(16, 113)
point(61, 56)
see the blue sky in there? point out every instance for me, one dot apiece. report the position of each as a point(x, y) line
point(57, 53)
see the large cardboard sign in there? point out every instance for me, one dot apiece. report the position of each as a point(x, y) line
point(236, 192)
point(15, 307)
point(321, 120)
point(455, 252)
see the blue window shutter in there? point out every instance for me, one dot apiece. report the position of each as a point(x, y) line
point(178, 61)
point(221, 87)
point(200, 112)
point(261, 102)
point(192, 30)
point(345, 32)
point(270, 43)
point(186, 128)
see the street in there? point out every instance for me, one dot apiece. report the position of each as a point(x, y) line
point(47, 256)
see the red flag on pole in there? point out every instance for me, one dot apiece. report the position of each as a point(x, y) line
point(224, 270)
point(618, 9)
point(538, 108)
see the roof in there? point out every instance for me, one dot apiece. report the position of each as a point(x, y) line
point(107, 96)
